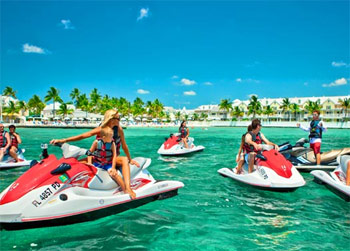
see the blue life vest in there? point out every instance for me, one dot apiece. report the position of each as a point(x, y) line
point(315, 129)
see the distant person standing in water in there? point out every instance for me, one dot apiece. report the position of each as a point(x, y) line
point(316, 129)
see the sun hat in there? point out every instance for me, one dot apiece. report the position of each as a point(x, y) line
point(109, 114)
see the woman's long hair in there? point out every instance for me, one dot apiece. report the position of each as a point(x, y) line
point(182, 123)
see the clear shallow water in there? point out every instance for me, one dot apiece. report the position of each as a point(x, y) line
point(210, 212)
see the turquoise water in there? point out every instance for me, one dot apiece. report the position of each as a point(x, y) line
point(210, 212)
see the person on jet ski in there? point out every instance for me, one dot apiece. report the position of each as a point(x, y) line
point(253, 141)
point(316, 129)
point(5, 142)
point(15, 141)
point(345, 166)
point(185, 132)
point(104, 156)
point(241, 152)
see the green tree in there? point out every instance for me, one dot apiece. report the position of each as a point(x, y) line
point(204, 116)
point(254, 106)
point(225, 105)
point(345, 104)
point(286, 106)
point(11, 109)
point(53, 94)
point(312, 106)
point(268, 111)
point(83, 103)
point(8, 91)
point(237, 112)
point(36, 105)
point(295, 109)
point(64, 110)
point(22, 106)
point(137, 107)
point(178, 115)
point(75, 95)
point(195, 117)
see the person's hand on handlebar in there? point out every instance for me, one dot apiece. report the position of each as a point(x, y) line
point(276, 147)
point(57, 141)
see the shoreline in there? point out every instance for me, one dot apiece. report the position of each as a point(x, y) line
point(191, 124)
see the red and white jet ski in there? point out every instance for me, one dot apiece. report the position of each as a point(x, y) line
point(8, 162)
point(174, 147)
point(59, 192)
point(271, 172)
point(335, 181)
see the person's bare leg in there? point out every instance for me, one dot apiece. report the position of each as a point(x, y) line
point(13, 153)
point(1, 155)
point(117, 179)
point(348, 174)
point(251, 159)
point(318, 159)
point(123, 161)
point(240, 165)
point(185, 142)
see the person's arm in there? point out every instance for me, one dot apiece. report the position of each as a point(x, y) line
point(19, 140)
point(125, 147)
point(85, 135)
point(306, 129)
point(188, 133)
point(114, 159)
point(263, 138)
point(8, 141)
point(92, 149)
point(239, 152)
point(248, 140)
point(322, 126)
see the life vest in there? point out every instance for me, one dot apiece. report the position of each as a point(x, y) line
point(3, 140)
point(14, 141)
point(183, 131)
point(315, 129)
point(103, 153)
point(116, 139)
point(255, 138)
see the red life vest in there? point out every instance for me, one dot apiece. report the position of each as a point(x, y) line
point(183, 131)
point(3, 140)
point(14, 141)
point(255, 138)
point(116, 139)
point(103, 153)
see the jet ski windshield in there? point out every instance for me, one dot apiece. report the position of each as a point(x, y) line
point(70, 151)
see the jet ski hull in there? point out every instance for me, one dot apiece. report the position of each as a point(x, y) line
point(8, 162)
point(309, 168)
point(332, 184)
point(180, 152)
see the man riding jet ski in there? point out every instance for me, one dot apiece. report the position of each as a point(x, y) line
point(179, 143)
point(303, 158)
point(271, 172)
point(59, 192)
point(337, 181)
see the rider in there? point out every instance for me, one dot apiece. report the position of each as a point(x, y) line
point(5, 142)
point(111, 119)
point(253, 141)
point(316, 128)
point(15, 141)
point(345, 165)
point(105, 156)
point(240, 158)
point(185, 132)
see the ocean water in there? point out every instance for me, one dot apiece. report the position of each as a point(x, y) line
point(209, 213)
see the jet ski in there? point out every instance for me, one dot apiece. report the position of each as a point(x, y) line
point(303, 158)
point(174, 147)
point(65, 191)
point(336, 180)
point(8, 162)
point(271, 172)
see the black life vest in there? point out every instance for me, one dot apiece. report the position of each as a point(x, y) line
point(103, 153)
point(3, 140)
point(255, 138)
point(14, 141)
point(315, 129)
point(183, 131)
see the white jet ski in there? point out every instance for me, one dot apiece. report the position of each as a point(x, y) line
point(8, 162)
point(174, 147)
point(64, 191)
point(271, 172)
point(336, 180)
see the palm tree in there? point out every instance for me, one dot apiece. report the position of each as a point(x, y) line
point(286, 106)
point(74, 95)
point(178, 115)
point(64, 110)
point(268, 111)
point(237, 112)
point(313, 106)
point(22, 106)
point(11, 109)
point(95, 99)
point(204, 116)
point(137, 107)
point(254, 106)
point(36, 105)
point(158, 107)
point(345, 104)
point(295, 109)
point(83, 103)
point(8, 91)
point(195, 116)
point(225, 105)
point(53, 94)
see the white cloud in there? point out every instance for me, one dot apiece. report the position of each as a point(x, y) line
point(186, 81)
point(67, 24)
point(248, 80)
point(190, 93)
point(238, 80)
point(340, 64)
point(27, 48)
point(143, 14)
point(208, 83)
point(175, 77)
point(141, 91)
point(338, 82)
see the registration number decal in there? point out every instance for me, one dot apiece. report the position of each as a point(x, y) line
point(44, 195)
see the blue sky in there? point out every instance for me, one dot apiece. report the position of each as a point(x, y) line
point(184, 53)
